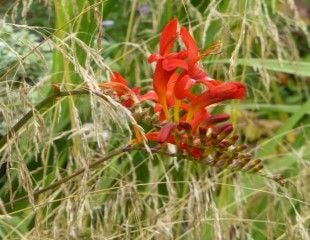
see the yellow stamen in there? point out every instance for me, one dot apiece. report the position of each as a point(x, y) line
point(138, 134)
point(190, 114)
point(176, 110)
point(165, 108)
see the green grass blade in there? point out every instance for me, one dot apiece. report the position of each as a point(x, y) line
point(270, 107)
point(269, 146)
point(299, 68)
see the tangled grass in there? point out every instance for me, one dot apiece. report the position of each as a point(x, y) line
point(137, 195)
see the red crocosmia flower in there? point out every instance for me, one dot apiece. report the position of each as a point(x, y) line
point(216, 94)
point(130, 95)
point(194, 55)
point(161, 76)
point(191, 54)
point(175, 76)
point(190, 65)
point(191, 70)
point(118, 78)
point(124, 90)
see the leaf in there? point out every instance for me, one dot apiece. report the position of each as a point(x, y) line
point(270, 145)
point(272, 107)
point(300, 68)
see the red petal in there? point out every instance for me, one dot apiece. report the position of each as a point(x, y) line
point(168, 37)
point(191, 46)
point(199, 118)
point(152, 136)
point(165, 132)
point(128, 103)
point(180, 55)
point(196, 153)
point(150, 95)
point(154, 58)
point(160, 81)
point(116, 77)
point(136, 90)
point(197, 73)
point(217, 118)
point(181, 88)
point(171, 84)
point(174, 63)
point(116, 86)
point(215, 94)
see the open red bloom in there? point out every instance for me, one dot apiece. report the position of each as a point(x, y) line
point(175, 76)
point(215, 94)
point(161, 76)
point(128, 96)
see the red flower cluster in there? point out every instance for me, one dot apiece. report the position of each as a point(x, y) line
point(176, 75)
point(182, 116)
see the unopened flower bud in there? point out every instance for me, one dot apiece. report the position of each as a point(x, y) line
point(234, 139)
point(217, 118)
point(257, 168)
point(241, 147)
point(214, 135)
point(279, 179)
point(236, 165)
point(223, 144)
point(251, 165)
point(202, 131)
point(225, 126)
point(184, 125)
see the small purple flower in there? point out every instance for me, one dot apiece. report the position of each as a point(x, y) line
point(144, 9)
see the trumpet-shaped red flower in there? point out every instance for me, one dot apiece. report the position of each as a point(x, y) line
point(161, 76)
point(176, 73)
point(215, 94)
point(128, 96)
point(193, 129)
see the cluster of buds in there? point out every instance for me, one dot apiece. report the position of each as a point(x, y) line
point(180, 116)
point(214, 146)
